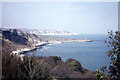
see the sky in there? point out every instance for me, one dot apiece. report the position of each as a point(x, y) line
point(78, 17)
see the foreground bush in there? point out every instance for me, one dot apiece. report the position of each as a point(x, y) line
point(29, 68)
point(113, 71)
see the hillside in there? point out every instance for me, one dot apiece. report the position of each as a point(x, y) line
point(21, 41)
point(17, 39)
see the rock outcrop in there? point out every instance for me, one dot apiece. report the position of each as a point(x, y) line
point(69, 69)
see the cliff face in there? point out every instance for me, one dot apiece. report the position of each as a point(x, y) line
point(25, 38)
point(15, 37)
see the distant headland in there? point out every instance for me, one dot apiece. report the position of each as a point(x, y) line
point(42, 32)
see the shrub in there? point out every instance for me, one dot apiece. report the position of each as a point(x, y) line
point(114, 54)
point(28, 68)
point(10, 65)
point(113, 71)
point(99, 75)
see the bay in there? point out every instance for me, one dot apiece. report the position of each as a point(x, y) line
point(91, 55)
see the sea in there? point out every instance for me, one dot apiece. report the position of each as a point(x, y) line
point(91, 55)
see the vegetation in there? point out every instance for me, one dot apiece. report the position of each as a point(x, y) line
point(114, 54)
point(55, 59)
point(15, 37)
point(28, 68)
point(99, 75)
point(73, 64)
point(76, 66)
point(113, 71)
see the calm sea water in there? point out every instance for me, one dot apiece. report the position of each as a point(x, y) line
point(91, 55)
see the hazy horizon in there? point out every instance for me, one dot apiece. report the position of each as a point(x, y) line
point(78, 17)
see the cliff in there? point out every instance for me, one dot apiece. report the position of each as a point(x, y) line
point(16, 40)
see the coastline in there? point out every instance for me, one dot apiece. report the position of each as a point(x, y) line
point(54, 63)
point(21, 52)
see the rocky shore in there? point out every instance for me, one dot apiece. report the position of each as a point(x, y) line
point(20, 52)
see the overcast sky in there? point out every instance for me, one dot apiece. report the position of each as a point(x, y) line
point(79, 17)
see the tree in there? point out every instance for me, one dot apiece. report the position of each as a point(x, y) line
point(28, 68)
point(114, 54)
point(33, 69)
